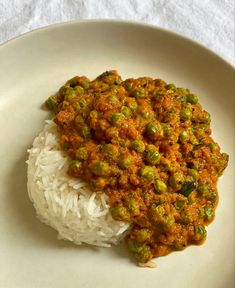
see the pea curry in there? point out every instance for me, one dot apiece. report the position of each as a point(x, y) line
point(147, 145)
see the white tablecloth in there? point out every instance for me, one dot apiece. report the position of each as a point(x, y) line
point(210, 22)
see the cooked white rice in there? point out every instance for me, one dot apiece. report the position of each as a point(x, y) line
point(64, 203)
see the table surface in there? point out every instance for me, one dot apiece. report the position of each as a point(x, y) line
point(209, 22)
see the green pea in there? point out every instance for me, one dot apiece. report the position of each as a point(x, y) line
point(119, 213)
point(76, 106)
point(191, 198)
point(116, 118)
point(126, 111)
point(113, 89)
point(194, 174)
point(154, 128)
point(160, 186)
point(180, 246)
point(207, 118)
point(201, 212)
point(200, 135)
point(165, 166)
point(82, 102)
point(182, 98)
point(223, 162)
point(75, 165)
point(129, 85)
point(118, 80)
point(111, 151)
point(196, 166)
point(213, 196)
point(112, 98)
point(134, 246)
point(77, 83)
point(147, 113)
point(192, 98)
point(79, 89)
point(94, 114)
point(179, 204)
point(182, 91)
point(104, 86)
point(85, 131)
point(171, 86)
point(82, 153)
point(182, 94)
point(186, 114)
point(143, 235)
point(171, 116)
point(214, 147)
point(200, 232)
point(175, 179)
point(141, 251)
point(139, 93)
point(185, 218)
point(151, 147)
point(203, 188)
point(147, 172)
point(100, 168)
point(195, 141)
point(144, 255)
point(153, 157)
point(166, 129)
point(112, 132)
point(133, 106)
point(184, 137)
point(138, 146)
point(125, 162)
point(133, 206)
point(187, 188)
point(225, 157)
point(168, 222)
point(69, 94)
point(209, 213)
point(105, 74)
point(52, 103)
point(157, 211)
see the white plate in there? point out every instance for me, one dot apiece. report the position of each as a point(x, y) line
point(34, 66)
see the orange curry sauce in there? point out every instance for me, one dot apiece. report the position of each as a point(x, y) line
point(147, 145)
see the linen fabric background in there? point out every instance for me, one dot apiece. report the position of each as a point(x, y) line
point(210, 22)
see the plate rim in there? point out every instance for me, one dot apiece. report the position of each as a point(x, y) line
point(40, 32)
point(119, 21)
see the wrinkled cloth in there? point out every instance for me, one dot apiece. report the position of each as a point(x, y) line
point(209, 22)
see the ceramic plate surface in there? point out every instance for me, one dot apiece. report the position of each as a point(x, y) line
point(33, 67)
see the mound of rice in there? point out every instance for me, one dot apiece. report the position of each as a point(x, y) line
point(64, 203)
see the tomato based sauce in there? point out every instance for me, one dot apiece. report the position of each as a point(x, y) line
point(147, 145)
